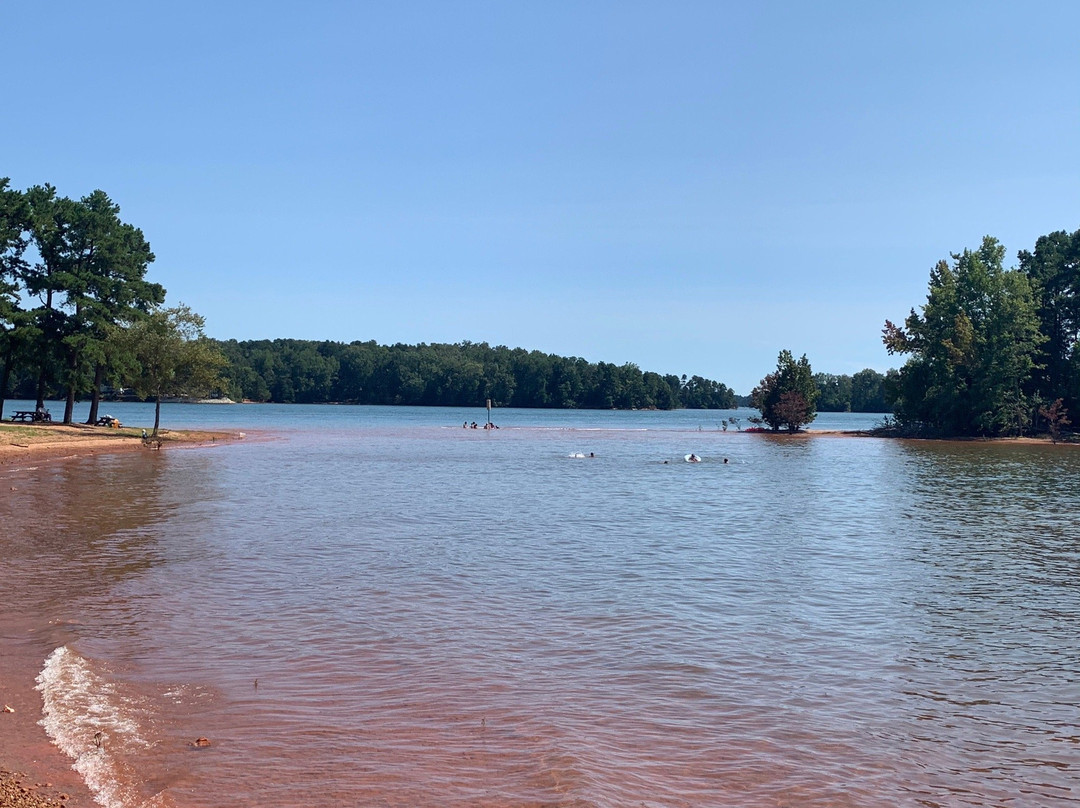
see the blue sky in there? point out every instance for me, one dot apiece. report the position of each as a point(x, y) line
point(687, 186)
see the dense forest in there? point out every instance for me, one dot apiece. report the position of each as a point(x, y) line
point(866, 391)
point(462, 374)
point(993, 351)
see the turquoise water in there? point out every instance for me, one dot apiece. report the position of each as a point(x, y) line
point(448, 617)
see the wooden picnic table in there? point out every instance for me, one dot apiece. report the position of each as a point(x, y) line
point(31, 416)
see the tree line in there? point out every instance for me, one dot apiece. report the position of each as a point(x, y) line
point(460, 374)
point(993, 351)
point(865, 391)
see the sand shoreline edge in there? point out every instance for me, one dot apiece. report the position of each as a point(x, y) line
point(19, 442)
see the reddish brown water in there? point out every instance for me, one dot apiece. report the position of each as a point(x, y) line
point(440, 618)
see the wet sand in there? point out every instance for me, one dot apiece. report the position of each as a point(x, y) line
point(846, 433)
point(33, 772)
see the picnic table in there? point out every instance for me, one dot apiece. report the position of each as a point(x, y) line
point(31, 416)
point(107, 420)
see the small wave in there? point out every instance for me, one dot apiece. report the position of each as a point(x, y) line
point(94, 723)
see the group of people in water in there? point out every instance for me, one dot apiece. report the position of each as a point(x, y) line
point(693, 458)
point(690, 458)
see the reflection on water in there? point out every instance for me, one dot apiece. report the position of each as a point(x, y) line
point(74, 533)
point(73, 529)
point(441, 617)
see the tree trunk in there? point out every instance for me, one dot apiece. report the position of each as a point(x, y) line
point(5, 378)
point(69, 404)
point(95, 396)
point(41, 388)
point(157, 414)
point(44, 355)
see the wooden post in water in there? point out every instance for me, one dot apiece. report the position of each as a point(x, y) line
point(489, 410)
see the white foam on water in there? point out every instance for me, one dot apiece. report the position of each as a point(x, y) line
point(79, 703)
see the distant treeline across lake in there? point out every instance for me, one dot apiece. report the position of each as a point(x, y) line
point(460, 374)
point(291, 371)
point(465, 374)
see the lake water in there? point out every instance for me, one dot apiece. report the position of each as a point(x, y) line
point(438, 616)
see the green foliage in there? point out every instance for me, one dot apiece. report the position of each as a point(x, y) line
point(787, 397)
point(863, 392)
point(1054, 271)
point(13, 219)
point(172, 356)
point(973, 349)
point(464, 375)
point(14, 215)
point(869, 391)
point(88, 277)
point(834, 392)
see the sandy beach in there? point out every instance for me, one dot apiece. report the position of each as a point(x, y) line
point(21, 441)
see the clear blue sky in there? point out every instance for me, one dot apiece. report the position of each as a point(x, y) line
point(689, 186)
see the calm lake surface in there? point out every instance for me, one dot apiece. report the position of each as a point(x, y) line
point(438, 616)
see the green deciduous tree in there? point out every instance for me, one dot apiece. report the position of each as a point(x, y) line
point(172, 356)
point(787, 397)
point(972, 348)
point(834, 392)
point(863, 392)
point(868, 392)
